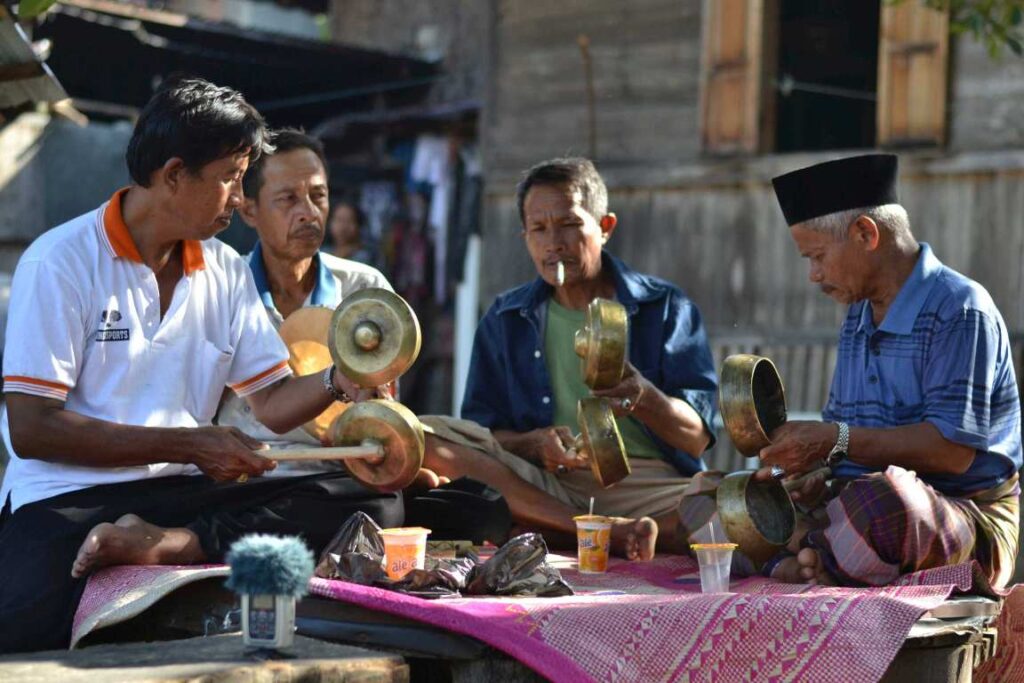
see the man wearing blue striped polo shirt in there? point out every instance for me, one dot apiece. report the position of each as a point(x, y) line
point(922, 428)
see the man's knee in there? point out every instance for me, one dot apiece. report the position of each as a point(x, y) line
point(903, 519)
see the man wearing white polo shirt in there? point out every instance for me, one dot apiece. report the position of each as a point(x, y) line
point(125, 325)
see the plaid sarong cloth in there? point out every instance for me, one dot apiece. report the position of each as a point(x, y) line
point(889, 523)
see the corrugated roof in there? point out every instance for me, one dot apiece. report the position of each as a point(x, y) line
point(117, 54)
point(23, 76)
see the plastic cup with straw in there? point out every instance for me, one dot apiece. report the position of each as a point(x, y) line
point(714, 560)
point(593, 540)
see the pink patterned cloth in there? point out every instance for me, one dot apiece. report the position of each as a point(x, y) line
point(648, 622)
point(116, 594)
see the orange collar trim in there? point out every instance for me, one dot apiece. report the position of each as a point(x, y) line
point(192, 256)
point(121, 244)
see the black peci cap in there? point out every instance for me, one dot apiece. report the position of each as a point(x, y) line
point(840, 185)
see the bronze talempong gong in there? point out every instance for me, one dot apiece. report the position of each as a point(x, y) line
point(757, 515)
point(600, 440)
point(752, 400)
point(601, 343)
point(374, 337)
point(305, 334)
point(395, 430)
point(380, 441)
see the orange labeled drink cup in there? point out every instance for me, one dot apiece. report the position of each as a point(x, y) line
point(405, 549)
point(593, 538)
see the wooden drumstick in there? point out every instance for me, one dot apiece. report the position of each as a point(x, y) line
point(368, 449)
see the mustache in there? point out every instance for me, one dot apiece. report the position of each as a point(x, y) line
point(307, 228)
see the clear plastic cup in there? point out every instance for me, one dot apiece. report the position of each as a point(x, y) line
point(405, 549)
point(714, 560)
point(593, 540)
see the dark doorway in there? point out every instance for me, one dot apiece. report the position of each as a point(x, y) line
point(827, 77)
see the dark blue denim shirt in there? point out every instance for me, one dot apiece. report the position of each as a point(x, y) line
point(509, 387)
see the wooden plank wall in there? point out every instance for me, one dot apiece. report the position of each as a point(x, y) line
point(646, 60)
point(726, 244)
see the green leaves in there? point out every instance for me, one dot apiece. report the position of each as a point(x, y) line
point(30, 9)
point(995, 23)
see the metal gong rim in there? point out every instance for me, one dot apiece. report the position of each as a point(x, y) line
point(601, 439)
point(752, 400)
point(374, 337)
point(757, 515)
point(390, 424)
point(601, 343)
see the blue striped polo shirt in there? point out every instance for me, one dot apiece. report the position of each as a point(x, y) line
point(942, 356)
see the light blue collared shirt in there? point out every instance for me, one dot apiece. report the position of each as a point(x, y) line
point(941, 355)
point(325, 289)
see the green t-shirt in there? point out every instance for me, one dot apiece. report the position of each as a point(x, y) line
point(567, 380)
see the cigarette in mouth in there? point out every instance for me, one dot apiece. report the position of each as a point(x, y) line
point(560, 276)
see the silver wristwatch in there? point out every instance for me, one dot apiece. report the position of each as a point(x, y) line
point(842, 446)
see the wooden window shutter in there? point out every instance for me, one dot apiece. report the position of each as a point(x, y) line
point(731, 78)
point(913, 51)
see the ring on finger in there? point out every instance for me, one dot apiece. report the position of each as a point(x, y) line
point(777, 472)
point(242, 478)
point(561, 469)
point(626, 404)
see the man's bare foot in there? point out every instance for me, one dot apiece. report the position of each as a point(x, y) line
point(805, 567)
point(634, 539)
point(132, 540)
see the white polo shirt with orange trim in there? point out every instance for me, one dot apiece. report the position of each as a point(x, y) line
point(84, 327)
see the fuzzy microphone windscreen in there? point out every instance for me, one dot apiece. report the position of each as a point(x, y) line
point(270, 565)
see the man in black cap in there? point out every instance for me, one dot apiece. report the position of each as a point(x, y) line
point(922, 425)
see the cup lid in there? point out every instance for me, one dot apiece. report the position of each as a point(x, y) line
point(405, 531)
point(713, 546)
point(593, 518)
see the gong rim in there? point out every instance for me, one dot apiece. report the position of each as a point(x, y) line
point(392, 425)
point(753, 401)
point(602, 441)
point(399, 337)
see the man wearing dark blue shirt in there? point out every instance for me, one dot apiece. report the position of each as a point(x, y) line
point(524, 380)
point(922, 426)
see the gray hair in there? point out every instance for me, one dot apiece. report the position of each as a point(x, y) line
point(889, 217)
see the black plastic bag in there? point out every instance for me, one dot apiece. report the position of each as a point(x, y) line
point(518, 568)
point(355, 554)
point(444, 579)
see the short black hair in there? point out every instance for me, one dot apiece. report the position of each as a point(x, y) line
point(283, 140)
point(198, 122)
point(577, 173)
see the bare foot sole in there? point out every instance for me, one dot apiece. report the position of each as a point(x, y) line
point(634, 539)
point(805, 567)
point(132, 540)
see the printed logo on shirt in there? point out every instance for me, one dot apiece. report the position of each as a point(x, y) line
point(107, 331)
point(108, 318)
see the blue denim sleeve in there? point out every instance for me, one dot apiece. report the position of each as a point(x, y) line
point(960, 379)
point(687, 364)
point(484, 401)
